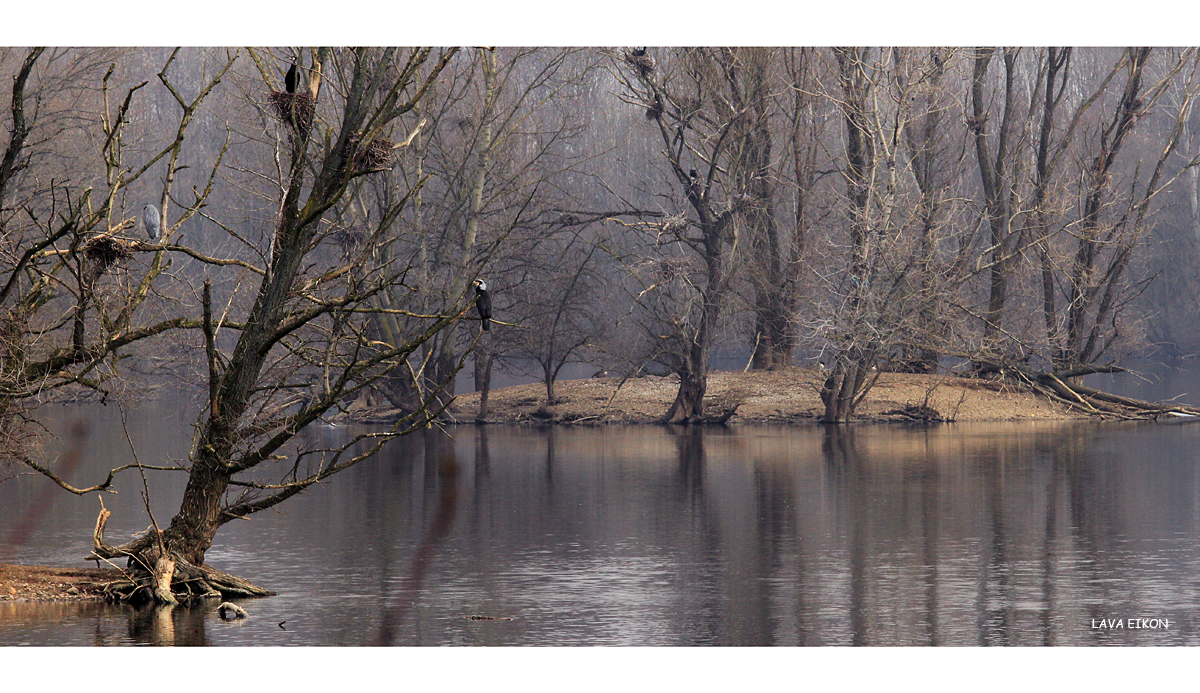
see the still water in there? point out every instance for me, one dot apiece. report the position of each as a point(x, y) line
point(996, 534)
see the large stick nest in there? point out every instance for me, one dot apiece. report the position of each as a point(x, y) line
point(673, 268)
point(295, 110)
point(105, 251)
point(640, 61)
point(674, 225)
point(378, 154)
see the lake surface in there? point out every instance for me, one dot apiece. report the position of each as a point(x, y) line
point(981, 534)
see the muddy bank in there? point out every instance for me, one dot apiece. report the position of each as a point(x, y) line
point(37, 583)
point(784, 396)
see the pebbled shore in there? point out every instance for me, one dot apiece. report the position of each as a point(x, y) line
point(38, 583)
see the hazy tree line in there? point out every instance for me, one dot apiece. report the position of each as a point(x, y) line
point(984, 210)
point(905, 208)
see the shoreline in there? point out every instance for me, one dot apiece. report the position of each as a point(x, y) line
point(784, 396)
point(30, 583)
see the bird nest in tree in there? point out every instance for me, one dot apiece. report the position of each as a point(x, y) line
point(378, 154)
point(350, 239)
point(674, 225)
point(673, 268)
point(741, 202)
point(104, 251)
point(640, 61)
point(296, 110)
point(654, 111)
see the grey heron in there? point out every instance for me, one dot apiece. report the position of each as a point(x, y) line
point(152, 221)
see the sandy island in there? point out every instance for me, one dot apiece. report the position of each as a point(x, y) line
point(784, 396)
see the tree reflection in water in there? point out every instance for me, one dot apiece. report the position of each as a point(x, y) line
point(439, 447)
point(1016, 534)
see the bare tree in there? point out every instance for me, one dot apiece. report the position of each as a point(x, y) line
point(492, 163)
point(309, 312)
point(1097, 291)
point(777, 264)
point(997, 173)
point(68, 302)
point(560, 320)
point(874, 307)
point(685, 285)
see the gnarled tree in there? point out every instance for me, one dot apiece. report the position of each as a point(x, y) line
point(308, 316)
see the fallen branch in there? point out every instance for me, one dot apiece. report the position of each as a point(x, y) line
point(1057, 385)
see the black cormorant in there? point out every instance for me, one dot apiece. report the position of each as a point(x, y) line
point(483, 303)
point(289, 82)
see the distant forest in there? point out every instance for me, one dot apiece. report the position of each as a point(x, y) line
point(323, 214)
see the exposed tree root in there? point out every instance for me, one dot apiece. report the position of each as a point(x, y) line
point(188, 585)
point(155, 574)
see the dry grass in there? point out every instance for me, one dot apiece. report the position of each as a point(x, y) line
point(788, 395)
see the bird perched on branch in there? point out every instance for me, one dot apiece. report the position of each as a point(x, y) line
point(292, 77)
point(152, 221)
point(483, 303)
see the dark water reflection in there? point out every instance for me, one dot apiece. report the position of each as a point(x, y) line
point(1001, 534)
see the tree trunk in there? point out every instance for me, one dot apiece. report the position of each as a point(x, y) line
point(845, 387)
point(193, 528)
point(773, 329)
point(440, 372)
point(689, 400)
point(548, 373)
point(995, 180)
point(400, 390)
point(774, 302)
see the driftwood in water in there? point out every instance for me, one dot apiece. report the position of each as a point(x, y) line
point(228, 610)
point(1060, 386)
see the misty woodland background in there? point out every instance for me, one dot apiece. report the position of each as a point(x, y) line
point(644, 208)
